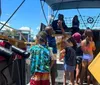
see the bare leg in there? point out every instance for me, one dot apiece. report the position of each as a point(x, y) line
point(53, 73)
point(71, 74)
point(88, 75)
point(84, 67)
point(95, 82)
point(77, 73)
point(64, 78)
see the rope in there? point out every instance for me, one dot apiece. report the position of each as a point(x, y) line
point(12, 14)
point(57, 10)
point(81, 18)
point(95, 21)
point(43, 11)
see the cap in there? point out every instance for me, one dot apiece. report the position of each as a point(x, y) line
point(77, 37)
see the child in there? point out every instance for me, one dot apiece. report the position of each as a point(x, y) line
point(40, 61)
point(69, 60)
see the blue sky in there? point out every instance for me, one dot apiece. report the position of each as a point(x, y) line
point(30, 14)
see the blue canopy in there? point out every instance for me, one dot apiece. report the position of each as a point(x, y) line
point(72, 4)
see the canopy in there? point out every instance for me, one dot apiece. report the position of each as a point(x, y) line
point(72, 4)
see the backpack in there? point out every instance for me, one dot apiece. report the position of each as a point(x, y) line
point(70, 56)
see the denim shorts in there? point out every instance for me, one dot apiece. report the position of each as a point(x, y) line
point(69, 68)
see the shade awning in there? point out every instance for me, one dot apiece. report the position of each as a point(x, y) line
point(72, 4)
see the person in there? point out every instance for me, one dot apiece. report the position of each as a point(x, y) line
point(51, 41)
point(59, 25)
point(69, 55)
point(41, 56)
point(84, 33)
point(87, 46)
point(79, 53)
point(75, 24)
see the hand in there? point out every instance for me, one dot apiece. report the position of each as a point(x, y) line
point(59, 24)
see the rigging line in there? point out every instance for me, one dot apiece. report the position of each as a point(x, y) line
point(95, 21)
point(7, 26)
point(41, 14)
point(57, 10)
point(81, 17)
point(43, 11)
point(12, 14)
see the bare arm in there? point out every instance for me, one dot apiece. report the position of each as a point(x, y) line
point(62, 54)
point(94, 47)
point(53, 58)
point(60, 26)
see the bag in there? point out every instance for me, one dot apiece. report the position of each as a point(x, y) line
point(70, 56)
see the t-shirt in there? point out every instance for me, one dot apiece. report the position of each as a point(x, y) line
point(40, 58)
point(79, 51)
point(70, 56)
point(52, 43)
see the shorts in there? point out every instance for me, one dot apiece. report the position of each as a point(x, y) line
point(69, 68)
point(87, 57)
point(40, 79)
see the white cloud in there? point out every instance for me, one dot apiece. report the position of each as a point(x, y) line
point(34, 37)
point(38, 28)
point(4, 23)
point(25, 28)
point(7, 14)
point(5, 27)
